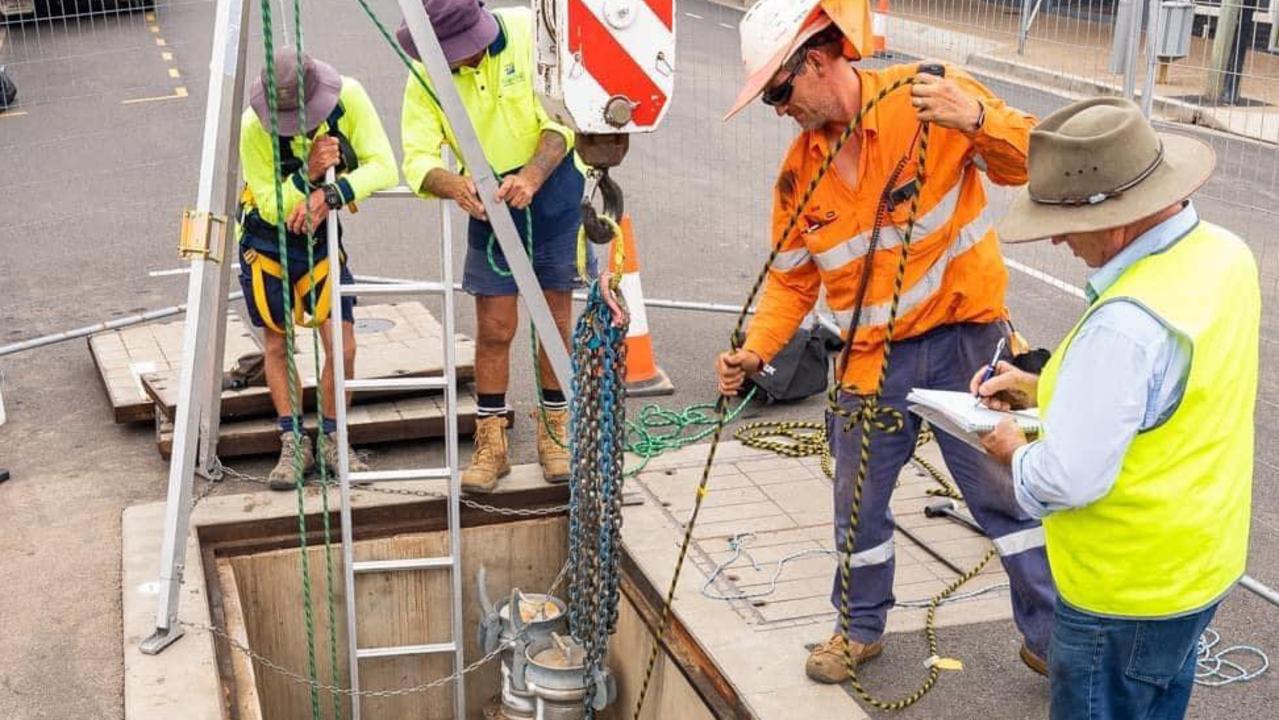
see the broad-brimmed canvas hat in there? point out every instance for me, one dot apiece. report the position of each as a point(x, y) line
point(1099, 164)
point(321, 85)
point(463, 27)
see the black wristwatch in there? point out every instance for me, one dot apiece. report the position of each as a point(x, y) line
point(333, 197)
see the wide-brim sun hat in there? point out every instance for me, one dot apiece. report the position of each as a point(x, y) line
point(1098, 164)
point(464, 28)
point(321, 85)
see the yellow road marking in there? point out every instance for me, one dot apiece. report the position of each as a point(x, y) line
point(160, 41)
point(150, 17)
point(178, 93)
point(154, 28)
point(173, 73)
point(12, 114)
point(168, 56)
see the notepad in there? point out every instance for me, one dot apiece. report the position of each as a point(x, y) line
point(962, 409)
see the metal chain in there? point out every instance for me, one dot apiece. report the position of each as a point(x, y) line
point(597, 432)
point(316, 686)
point(433, 494)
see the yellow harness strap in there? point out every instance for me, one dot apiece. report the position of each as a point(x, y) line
point(262, 265)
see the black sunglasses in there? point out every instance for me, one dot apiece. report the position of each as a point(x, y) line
point(781, 92)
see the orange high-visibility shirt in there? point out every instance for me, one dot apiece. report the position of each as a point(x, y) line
point(954, 271)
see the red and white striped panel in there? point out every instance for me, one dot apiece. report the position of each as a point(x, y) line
point(616, 48)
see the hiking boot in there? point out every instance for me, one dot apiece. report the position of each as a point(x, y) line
point(552, 444)
point(826, 662)
point(329, 451)
point(291, 447)
point(1033, 661)
point(489, 461)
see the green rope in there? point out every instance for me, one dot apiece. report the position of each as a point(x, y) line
point(659, 430)
point(339, 365)
point(272, 92)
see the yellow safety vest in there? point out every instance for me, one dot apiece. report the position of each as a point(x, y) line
point(1171, 536)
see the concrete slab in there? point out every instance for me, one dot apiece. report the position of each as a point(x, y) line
point(780, 508)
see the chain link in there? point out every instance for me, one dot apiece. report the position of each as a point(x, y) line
point(432, 494)
point(301, 679)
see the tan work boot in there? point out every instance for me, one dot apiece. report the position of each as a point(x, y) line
point(489, 461)
point(329, 451)
point(552, 444)
point(826, 663)
point(281, 477)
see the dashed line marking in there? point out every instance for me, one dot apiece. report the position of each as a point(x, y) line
point(695, 16)
point(160, 41)
point(178, 93)
point(12, 114)
point(167, 56)
point(727, 26)
point(154, 29)
point(173, 73)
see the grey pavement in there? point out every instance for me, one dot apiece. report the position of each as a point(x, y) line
point(90, 192)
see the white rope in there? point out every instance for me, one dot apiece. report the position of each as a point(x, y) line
point(1213, 669)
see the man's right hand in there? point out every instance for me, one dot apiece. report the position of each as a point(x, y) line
point(324, 155)
point(1009, 389)
point(734, 367)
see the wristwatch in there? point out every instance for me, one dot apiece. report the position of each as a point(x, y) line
point(333, 197)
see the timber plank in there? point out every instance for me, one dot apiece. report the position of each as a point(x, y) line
point(387, 421)
point(124, 357)
point(393, 340)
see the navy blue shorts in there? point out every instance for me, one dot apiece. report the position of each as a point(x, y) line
point(555, 216)
point(270, 293)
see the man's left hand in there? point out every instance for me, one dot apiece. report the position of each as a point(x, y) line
point(318, 209)
point(1003, 441)
point(941, 101)
point(518, 190)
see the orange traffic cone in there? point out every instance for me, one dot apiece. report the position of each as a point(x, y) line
point(879, 27)
point(643, 377)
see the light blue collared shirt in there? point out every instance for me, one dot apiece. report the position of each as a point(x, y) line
point(1124, 372)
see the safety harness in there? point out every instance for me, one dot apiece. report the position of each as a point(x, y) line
point(292, 169)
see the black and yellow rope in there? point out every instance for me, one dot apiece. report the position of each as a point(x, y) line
point(868, 413)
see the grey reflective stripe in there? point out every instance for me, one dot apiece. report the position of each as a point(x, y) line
point(927, 285)
point(1020, 541)
point(790, 259)
point(856, 246)
point(877, 555)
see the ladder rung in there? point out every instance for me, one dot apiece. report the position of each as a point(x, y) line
point(401, 383)
point(406, 288)
point(402, 650)
point(371, 476)
point(370, 566)
point(399, 191)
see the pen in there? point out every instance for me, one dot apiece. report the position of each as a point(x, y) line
point(990, 369)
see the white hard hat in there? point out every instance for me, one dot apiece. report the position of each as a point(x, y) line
point(771, 31)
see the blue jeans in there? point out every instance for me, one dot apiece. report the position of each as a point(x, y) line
point(1103, 668)
point(944, 358)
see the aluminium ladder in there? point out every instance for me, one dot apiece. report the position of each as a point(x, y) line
point(449, 472)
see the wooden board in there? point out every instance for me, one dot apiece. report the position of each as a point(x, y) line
point(393, 340)
point(124, 356)
point(387, 421)
point(393, 608)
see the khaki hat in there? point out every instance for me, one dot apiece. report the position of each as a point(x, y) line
point(1098, 164)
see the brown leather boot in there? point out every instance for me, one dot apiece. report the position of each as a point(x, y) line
point(489, 461)
point(329, 451)
point(1033, 661)
point(552, 444)
point(826, 663)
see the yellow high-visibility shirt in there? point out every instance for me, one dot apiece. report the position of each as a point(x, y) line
point(499, 98)
point(360, 124)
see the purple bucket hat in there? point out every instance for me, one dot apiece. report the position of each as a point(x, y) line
point(464, 28)
point(322, 86)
